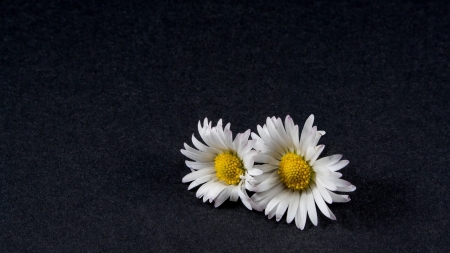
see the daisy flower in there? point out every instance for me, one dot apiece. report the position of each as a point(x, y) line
point(293, 178)
point(223, 166)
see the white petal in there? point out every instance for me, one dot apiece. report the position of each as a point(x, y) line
point(244, 145)
point(217, 141)
point(295, 137)
point(256, 137)
point(204, 189)
point(260, 146)
point(258, 196)
point(263, 133)
point(293, 206)
point(325, 183)
point(327, 160)
point(349, 188)
point(221, 134)
point(324, 192)
point(331, 214)
point(199, 166)
point(322, 171)
point(309, 139)
point(273, 132)
point(282, 130)
point(341, 164)
point(201, 180)
point(298, 219)
point(332, 174)
point(318, 151)
point(248, 145)
point(272, 213)
point(222, 197)
point(268, 141)
point(306, 132)
point(319, 201)
point(234, 196)
point(275, 201)
point(309, 153)
point(263, 203)
point(245, 136)
point(237, 142)
point(197, 174)
point(211, 185)
point(249, 184)
point(198, 157)
point(261, 158)
point(318, 135)
point(215, 191)
point(261, 178)
point(190, 149)
point(302, 211)
point(311, 207)
point(291, 132)
point(204, 132)
point(268, 183)
point(201, 129)
point(339, 198)
point(255, 172)
point(266, 167)
point(244, 197)
point(228, 136)
point(202, 147)
point(256, 207)
point(247, 203)
point(281, 209)
point(339, 182)
point(249, 159)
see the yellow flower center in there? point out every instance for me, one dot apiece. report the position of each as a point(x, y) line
point(295, 172)
point(229, 168)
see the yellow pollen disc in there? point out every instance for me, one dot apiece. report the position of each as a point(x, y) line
point(229, 168)
point(295, 172)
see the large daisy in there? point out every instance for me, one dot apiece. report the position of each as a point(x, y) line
point(223, 166)
point(294, 179)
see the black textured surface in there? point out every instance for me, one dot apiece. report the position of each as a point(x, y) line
point(96, 101)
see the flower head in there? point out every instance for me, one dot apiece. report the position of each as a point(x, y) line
point(224, 166)
point(294, 179)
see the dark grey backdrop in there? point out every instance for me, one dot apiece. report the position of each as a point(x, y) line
point(96, 100)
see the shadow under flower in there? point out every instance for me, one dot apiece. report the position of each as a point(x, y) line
point(375, 204)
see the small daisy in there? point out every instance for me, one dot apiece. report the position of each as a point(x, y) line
point(294, 179)
point(223, 166)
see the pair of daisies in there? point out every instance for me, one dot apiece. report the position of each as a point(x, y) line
point(280, 164)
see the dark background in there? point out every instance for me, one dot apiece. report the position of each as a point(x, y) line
point(96, 100)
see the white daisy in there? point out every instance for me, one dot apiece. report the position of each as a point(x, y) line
point(223, 166)
point(294, 179)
